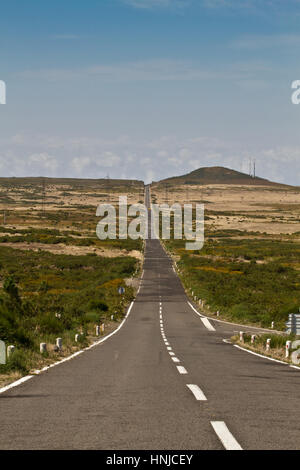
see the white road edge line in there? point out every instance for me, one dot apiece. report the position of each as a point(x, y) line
point(265, 357)
point(181, 370)
point(241, 325)
point(225, 436)
point(204, 319)
point(197, 392)
point(16, 383)
point(27, 377)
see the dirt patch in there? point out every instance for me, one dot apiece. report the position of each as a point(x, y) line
point(260, 209)
point(62, 249)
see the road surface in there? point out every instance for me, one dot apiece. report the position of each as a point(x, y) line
point(165, 380)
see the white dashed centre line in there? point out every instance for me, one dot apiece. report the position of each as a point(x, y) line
point(181, 370)
point(225, 436)
point(175, 359)
point(197, 392)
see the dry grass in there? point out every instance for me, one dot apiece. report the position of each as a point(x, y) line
point(260, 209)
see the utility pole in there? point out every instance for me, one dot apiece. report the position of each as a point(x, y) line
point(107, 186)
point(44, 197)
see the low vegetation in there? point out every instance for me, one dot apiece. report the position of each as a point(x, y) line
point(248, 280)
point(44, 296)
point(49, 291)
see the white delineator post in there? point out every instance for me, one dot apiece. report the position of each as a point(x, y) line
point(97, 330)
point(272, 325)
point(102, 328)
point(241, 336)
point(268, 344)
point(59, 343)
point(43, 348)
point(218, 313)
point(77, 336)
point(2, 352)
point(253, 338)
point(10, 350)
point(288, 345)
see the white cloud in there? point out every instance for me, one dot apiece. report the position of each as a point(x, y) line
point(162, 69)
point(152, 69)
point(154, 159)
point(43, 162)
point(80, 163)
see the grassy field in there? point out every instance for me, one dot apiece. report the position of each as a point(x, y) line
point(248, 280)
point(249, 268)
point(57, 279)
point(45, 296)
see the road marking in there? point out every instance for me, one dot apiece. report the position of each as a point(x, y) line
point(181, 370)
point(225, 436)
point(169, 348)
point(197, 392)
point(237, 324)
point(171, 353)
point(166, 342)
point(227, 341)
point(204, 320)
point(207, 324)
point(16, 383)
point(261, 355)
point(175, 359)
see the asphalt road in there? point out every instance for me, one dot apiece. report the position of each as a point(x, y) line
point(165, 380)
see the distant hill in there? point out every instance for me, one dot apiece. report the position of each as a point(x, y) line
point(218, 175)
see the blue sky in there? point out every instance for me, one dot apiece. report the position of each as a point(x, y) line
point(149, 88)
